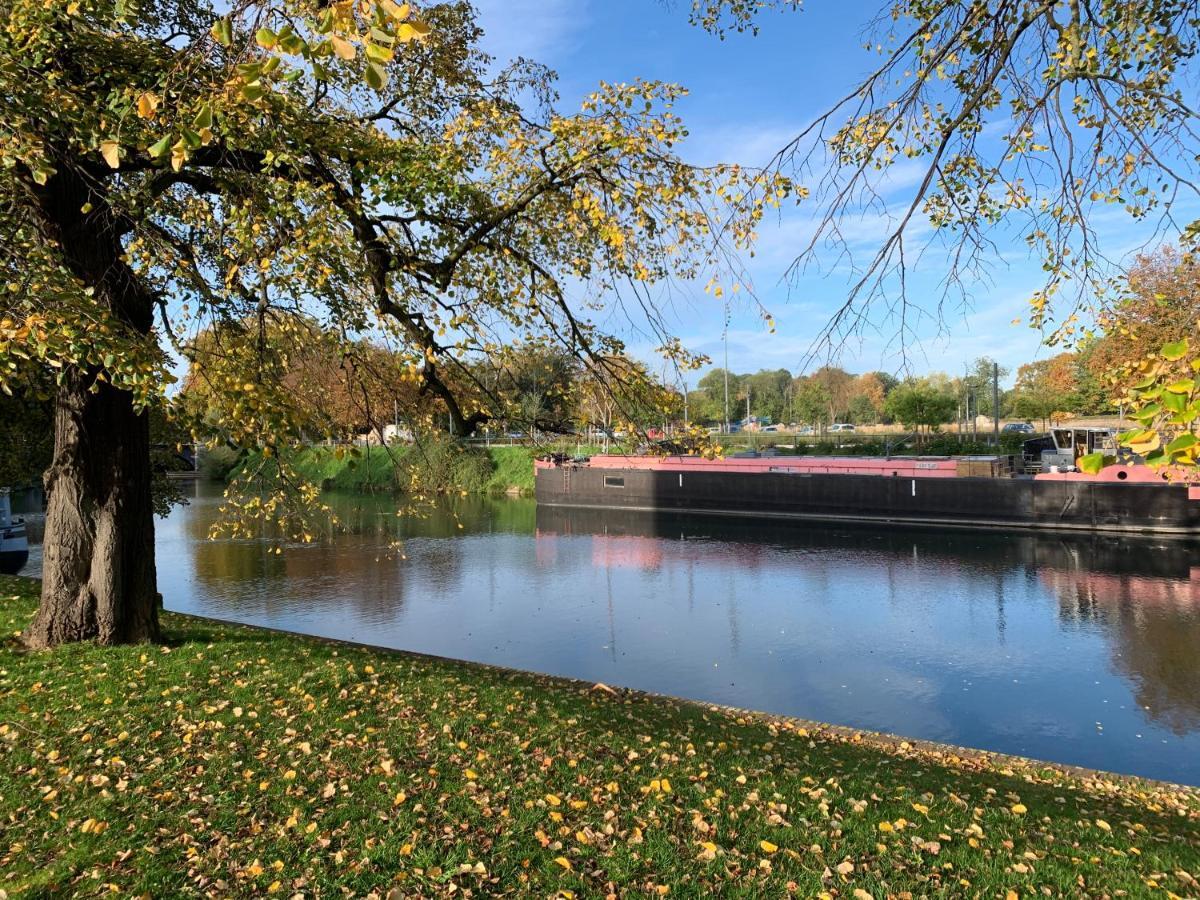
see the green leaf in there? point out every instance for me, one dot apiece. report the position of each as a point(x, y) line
point(222, 32)
point(1183, 386)
point(204, 118)
point(190, 138)
point(1092, 463)
point(375, 76)
point(1157, 458)
point(1175, 351)
point(1176, 403)
point(1183, 442)
point(266, 38)
point(160, 147)
point(378, 54)
point(253, 90)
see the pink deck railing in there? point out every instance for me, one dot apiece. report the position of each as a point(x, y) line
point(903, 467)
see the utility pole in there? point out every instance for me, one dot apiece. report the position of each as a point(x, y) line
point(996, 403)
point(747, 406)
point(726, 338)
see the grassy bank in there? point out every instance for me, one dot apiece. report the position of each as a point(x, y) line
point(437, 467)
point(240, 762)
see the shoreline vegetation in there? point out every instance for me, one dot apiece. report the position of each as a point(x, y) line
point(234, 760)
point(443, 466)
point(439, 467)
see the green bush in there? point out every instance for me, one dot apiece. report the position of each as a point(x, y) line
point(219, 463)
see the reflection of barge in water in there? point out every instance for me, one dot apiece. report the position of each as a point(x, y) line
point(975, 492)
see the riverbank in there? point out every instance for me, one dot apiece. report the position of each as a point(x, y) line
point(435, 467)
point(239, 761)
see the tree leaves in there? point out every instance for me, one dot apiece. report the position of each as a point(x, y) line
point(111, 151)
point(375, 75)
point(222, 32)
point(1176, 350)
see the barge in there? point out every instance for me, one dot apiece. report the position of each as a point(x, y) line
point(973, 492)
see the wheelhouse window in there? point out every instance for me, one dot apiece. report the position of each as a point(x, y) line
point(616, 481)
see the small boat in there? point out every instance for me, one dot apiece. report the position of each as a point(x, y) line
point(14, 543)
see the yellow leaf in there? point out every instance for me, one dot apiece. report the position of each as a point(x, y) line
point(147, 104)
point(553, 800)
point(471, 774)
point(844, 868)
point(111, 153)
point(342, 47)
point(1101, 824)
point(564, 862)
point(409, 31)
point(1019, 809)
point(767, 847)
point(399, 13)
point(400, 798)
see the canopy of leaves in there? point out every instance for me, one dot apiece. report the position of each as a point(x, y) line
point(919, 403)
point(281, 162)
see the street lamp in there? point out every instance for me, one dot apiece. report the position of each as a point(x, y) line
point(726, 339)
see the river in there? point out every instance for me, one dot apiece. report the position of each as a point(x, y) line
point(1081, 650)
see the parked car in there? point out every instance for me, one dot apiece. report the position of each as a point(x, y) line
point(772, 428)
point(841, 426)
point(1017, 428)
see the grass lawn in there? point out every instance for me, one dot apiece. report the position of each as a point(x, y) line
point(239, 762)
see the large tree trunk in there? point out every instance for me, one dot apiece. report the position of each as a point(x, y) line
point(98, 577)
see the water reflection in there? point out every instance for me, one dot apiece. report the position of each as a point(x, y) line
point(1075, 649)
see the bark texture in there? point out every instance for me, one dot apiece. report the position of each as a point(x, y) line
point(98, 574)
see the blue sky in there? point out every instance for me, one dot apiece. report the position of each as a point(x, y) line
point(748, 95)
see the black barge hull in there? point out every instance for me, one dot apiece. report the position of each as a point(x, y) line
point(962, 501)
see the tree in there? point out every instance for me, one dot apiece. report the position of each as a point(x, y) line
point(617, 392)
point(1026, 115)
point(769, 390)
point(1158, 303)
point(534, 380)
point(198, 163)
point(838, 385)
point(1045, 388)
point(713, 386)
point(867, 396)
point(812, 402)
point(920, 404)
